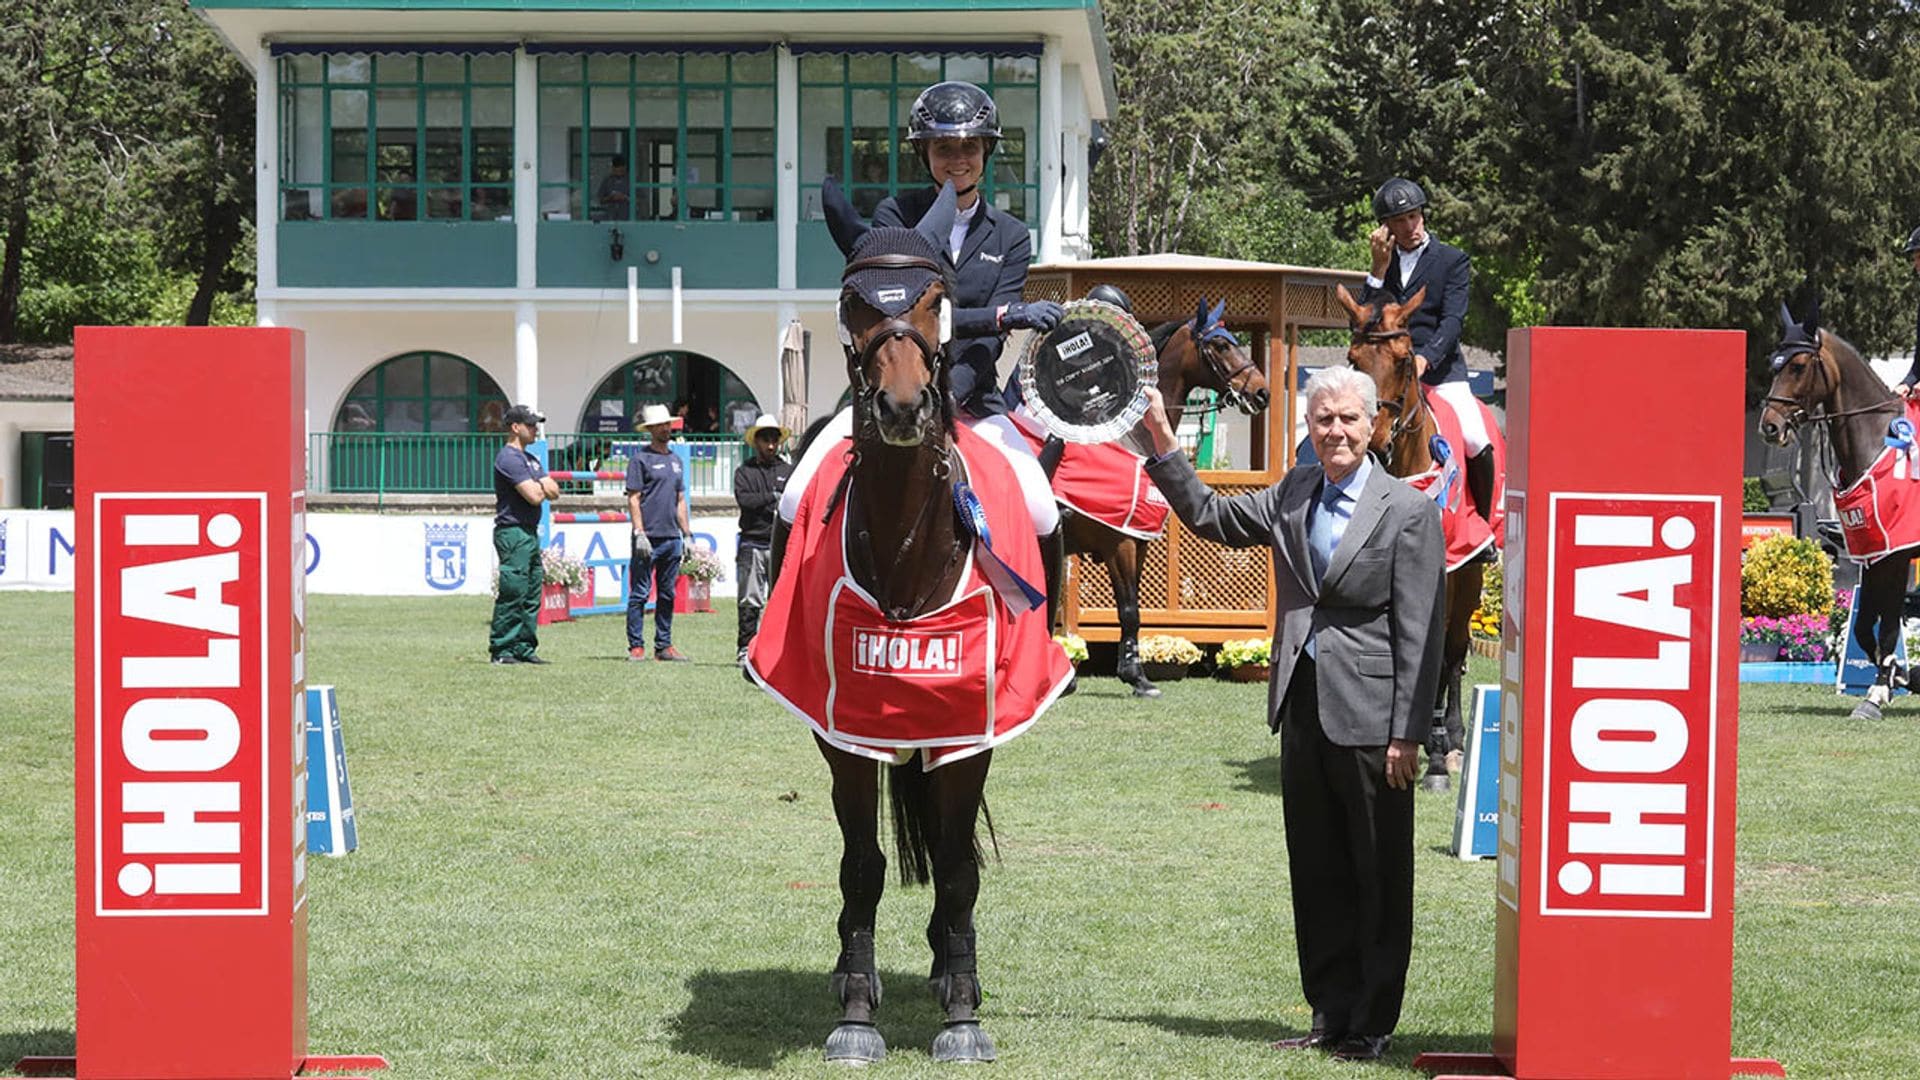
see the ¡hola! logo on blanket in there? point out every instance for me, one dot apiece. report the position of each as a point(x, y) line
point(1633, 624)
point(907, 653)
point(180, 704)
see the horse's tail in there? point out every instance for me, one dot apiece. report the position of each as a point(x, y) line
point(916, 823)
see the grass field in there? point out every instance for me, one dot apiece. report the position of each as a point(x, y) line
point(599, 868)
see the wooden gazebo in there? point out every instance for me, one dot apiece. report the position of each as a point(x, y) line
point(1221, 593)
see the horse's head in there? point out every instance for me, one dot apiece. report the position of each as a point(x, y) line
point(1219, 363)
point(1382, 347)
point(895, 318)
point(1806, 376)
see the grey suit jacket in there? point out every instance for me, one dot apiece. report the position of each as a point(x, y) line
point(1379, 615)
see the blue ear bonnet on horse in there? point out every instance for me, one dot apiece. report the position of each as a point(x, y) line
point(1796, 338)
point(1208, 327)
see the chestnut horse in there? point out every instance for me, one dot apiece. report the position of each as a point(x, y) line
point(1820, 379)
point(1382, 348)
point(1197, 354)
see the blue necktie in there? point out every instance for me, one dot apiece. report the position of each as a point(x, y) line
point(1320, 539)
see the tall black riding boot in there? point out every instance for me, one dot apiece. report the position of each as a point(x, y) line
point(1050, 454)
point(1053, 557)
point(1480, 482)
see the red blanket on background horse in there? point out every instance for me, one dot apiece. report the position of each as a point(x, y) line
point(951, 683)
point(1467, 533)
point(1104, 481)
point(1880, 512)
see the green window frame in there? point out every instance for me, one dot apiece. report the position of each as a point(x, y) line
point(396, 136)
point(696, 130)
point(423, 392)
point(843, 131)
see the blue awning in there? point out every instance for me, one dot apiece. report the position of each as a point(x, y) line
point(459, 48)
point(968, 48)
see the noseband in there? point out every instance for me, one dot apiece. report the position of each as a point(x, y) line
point(1212, 345)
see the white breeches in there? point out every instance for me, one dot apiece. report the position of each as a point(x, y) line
point(1467, 408)
point(998, 430)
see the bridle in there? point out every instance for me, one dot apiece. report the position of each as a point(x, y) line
point(1797, 411)
point(1216, 344)
point(894, 328)
point(1410, 410)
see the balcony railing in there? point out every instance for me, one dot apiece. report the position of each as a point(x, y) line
point(458, 463)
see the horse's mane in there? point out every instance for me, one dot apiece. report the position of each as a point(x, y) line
point(1163, 333)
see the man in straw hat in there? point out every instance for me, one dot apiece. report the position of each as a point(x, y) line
point(757, 485)
point(657, 506)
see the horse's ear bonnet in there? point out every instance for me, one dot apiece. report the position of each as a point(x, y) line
point(909, 256)
point(1796, 338)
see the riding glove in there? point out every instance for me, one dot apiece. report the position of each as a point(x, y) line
point(1040, 315)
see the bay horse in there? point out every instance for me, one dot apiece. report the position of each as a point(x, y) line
point(1382, 348)
point(906, 547)
point(1820, 379)
point(1195, 354)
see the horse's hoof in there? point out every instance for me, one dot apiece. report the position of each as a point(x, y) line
point(1435, 782)
point(1866, 710)
point(963, 1043)
point(856, 1044)
point(1073, 683)
point(1145, 689)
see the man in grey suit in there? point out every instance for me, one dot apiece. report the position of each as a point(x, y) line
point(1359, 575)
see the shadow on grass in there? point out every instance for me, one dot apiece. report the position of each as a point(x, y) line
point(46, 1042)
point(1260, 775)
point(752, 1019)
point(1406, 1044)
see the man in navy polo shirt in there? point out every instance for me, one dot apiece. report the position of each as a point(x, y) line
point(520, 485)
point(657, 504)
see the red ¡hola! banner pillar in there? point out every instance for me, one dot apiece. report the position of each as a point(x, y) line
point(189, 762)
point(1620, 698)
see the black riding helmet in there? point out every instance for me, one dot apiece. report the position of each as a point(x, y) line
point(953, 110)
point(1397, 196)
point(1913, 243)
point(1112, 295)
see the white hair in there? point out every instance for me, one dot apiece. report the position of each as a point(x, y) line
point(1343, 380)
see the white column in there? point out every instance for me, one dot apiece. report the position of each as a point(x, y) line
point(266, 153)
point(526, 176)
point(786, 199)
point(526, 355)
point(1050, 128)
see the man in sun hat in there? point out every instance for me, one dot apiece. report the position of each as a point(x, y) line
point(657, 505)
point(757, 485)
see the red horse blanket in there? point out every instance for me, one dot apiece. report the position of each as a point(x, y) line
point(951, 683)
point(1880, 512)
point(1103, 481)
point(1467, 532)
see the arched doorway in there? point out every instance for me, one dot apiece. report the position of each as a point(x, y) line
point(423, 391)
point(715, 400)
point(419, 422)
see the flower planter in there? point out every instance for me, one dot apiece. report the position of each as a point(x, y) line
point(553, 605)
point(1163, 672)
point(1759, 652)
point(1484, 646)
point(1248, 673)
point(578, 602)
point(698, 595)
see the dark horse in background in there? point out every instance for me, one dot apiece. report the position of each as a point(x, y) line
point(1819, 379)
point(1196, 354)
point(906, 548)
point(1382, 348)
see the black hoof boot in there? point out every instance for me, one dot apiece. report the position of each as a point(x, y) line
point(964, 1043)
point(1128, 670)
point(855, 1044)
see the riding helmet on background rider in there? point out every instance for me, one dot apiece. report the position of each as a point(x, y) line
point(1111, 294)
point(1396, 197)
point(1913, 243)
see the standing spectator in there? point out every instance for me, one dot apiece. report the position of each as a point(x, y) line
point(757, 485)
point(520, 485)
point(1359, 580)
point(613, 192)
point(657, 503)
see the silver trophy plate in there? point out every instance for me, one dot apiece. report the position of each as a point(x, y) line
point(1087, 379)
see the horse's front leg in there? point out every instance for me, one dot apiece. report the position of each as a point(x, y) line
point(954, 791)
point(863, 876)
point(1123, 569)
